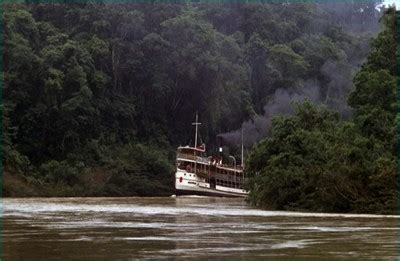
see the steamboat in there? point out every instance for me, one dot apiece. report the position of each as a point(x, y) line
point(197, 174)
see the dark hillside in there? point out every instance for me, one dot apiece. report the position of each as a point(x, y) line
point(98, 96)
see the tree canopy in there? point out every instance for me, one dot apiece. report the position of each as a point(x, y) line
point(97, 96)
point(316, 161)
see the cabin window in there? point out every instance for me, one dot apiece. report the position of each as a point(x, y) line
point(181, 165)
point(189, 167)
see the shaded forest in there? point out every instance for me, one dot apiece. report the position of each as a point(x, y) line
point(98, 96)
point(314, 160)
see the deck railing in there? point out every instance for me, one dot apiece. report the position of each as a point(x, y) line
point(206, 161)
point(192, 157)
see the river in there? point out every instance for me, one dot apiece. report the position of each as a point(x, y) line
point(188, 227)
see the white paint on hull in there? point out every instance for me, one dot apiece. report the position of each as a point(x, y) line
point(233, 190)
point(190, 182)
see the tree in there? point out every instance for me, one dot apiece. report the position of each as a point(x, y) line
point(315, 161)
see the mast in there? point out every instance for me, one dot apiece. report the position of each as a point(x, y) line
point(197, 123)
point(242, 163)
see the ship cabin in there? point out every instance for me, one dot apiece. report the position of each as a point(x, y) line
point(193, 160)
point(209, 169)
point(229, 176)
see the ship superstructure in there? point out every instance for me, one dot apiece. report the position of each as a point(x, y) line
point(197, 174)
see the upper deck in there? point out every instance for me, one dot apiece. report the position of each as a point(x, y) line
point(188, 157)
point(188, 149)
point(197, 155)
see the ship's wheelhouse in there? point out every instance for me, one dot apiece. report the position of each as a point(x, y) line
point(192, 160)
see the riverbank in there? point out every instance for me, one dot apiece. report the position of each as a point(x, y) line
point(96, 183)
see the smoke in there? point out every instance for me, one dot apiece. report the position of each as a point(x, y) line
point(333, 94)
point(280, 104)
point(339, 86)
point(332, 91)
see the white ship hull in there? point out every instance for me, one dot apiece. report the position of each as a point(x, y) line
point(187, 183)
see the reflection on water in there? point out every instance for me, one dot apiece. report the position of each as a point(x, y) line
point(202, 227)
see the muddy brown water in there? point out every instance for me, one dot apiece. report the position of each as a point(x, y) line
point(186, 227)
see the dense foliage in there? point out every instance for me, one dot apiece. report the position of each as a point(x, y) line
point(98, 96)
point(316, 161)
